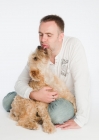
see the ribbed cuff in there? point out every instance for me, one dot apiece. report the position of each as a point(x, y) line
point(79, 123)
point(27, 93)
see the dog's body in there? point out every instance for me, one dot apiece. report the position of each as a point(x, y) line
point(29, 112)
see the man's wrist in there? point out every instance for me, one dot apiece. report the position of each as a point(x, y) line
point(32, 95)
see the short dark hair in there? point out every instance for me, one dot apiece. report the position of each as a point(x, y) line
point(58, 20)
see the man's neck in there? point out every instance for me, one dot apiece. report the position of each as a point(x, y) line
point(54, 53)
point(52, 59)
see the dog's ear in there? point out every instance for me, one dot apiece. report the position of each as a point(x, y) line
point(34, 74)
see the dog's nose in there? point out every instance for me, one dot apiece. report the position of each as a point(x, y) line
point(39, 47)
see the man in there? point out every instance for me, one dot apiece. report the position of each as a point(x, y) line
point(67, 61)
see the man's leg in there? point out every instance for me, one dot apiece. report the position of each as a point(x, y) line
point(60, 111)
point(7, 100)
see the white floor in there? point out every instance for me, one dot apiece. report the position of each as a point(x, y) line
point(10, 131)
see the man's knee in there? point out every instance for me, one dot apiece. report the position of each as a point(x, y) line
point(60, 111)
point(7, 100)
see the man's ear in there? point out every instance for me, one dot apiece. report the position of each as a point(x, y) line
point(34, 74)
point(61, 36)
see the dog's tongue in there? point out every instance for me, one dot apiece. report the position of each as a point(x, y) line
point(45, 46)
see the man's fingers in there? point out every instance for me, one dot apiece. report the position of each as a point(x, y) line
point(52, 93)
point(70, 124)
point(55, 96)
point(61, 125)
point(66, 127)
point(53, 100)
point(48, 88)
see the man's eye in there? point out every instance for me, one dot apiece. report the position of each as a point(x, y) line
point(35, 58)
point(40, 35)
point(49, 35)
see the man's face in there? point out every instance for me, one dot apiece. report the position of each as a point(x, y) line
point(50, 35)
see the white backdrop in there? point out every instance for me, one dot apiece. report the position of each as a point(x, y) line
point(19, 21)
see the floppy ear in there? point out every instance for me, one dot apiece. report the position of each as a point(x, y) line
point(35, 75)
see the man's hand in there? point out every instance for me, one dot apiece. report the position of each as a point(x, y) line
point(44, 95)
point(70, 124)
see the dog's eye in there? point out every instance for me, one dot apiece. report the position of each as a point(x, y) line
point(35, 58)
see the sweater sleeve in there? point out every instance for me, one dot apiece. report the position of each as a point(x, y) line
point(81, 80)
point(21, 86)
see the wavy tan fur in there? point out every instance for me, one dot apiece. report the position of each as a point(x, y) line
point(29, 113)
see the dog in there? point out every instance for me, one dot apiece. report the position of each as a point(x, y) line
point(29, 113)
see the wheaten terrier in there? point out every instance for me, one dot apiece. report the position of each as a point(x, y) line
point(29, 112)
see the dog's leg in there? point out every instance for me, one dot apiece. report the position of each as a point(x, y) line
point(24, 112)
point(43, 113)
point(13, 115)
point(15, 110)
point(29, 119)
point(28, 123)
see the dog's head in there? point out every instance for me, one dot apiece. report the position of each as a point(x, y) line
point(38, 62)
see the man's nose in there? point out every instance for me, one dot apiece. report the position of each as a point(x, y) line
point(44, 38)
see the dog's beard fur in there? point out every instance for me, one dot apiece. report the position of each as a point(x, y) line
point(38, 63)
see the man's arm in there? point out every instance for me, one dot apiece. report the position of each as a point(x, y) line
point(21, 86)
point(24, 90)
point(80, 74)
point(44, 95)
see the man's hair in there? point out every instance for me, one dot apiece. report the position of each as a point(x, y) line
point(58, 20)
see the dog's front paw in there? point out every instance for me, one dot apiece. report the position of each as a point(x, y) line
point(33, 126)
point(48, 128)
point(29, 125)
